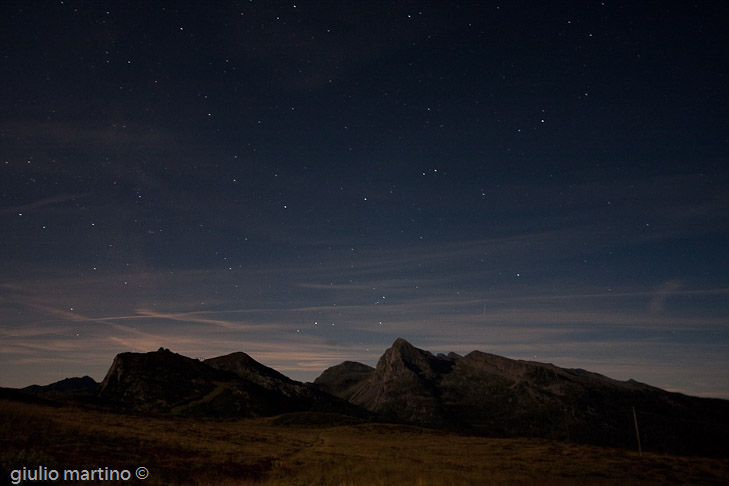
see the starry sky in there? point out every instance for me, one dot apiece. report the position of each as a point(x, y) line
point(306, 182)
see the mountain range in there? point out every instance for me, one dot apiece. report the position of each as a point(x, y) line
point(476, 394)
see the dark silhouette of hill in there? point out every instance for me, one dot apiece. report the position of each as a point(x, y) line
point(475, 394)
point(246, 367)
point(294, 396)
point(485, 394)
point(85, 386)
point(342, 380)
point(228, 386)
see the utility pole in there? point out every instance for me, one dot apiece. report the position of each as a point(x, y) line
point(637, 434)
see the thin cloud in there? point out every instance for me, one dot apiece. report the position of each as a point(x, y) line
point(45, 202)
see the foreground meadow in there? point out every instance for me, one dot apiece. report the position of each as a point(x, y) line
point(314, 449)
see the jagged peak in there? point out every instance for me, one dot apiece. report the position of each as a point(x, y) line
point(405, 349)
point(402, 357)
point(401, 343)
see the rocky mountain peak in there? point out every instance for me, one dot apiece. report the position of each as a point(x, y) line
point(232, 385)
point(402, 352)
point(154, 379)
point(403, 358)
point(402, 385)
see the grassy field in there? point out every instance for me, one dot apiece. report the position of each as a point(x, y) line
point(314, 449)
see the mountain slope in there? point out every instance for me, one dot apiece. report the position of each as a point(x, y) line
point(229, 386)
point(491, 395)
point(157, 381)
point(475, 394)
point(76, 387)
point(293, 395)
point(342, 380)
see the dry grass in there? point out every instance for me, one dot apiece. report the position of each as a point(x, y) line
point(264, 452)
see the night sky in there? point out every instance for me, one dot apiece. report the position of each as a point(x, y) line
point(306, 182)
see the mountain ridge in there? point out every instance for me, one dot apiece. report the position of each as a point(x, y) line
point(233, 385)
point(474, 394)
point(75, 386)
point(487, 394)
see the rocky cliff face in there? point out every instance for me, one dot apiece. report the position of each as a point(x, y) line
point(403, 386)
